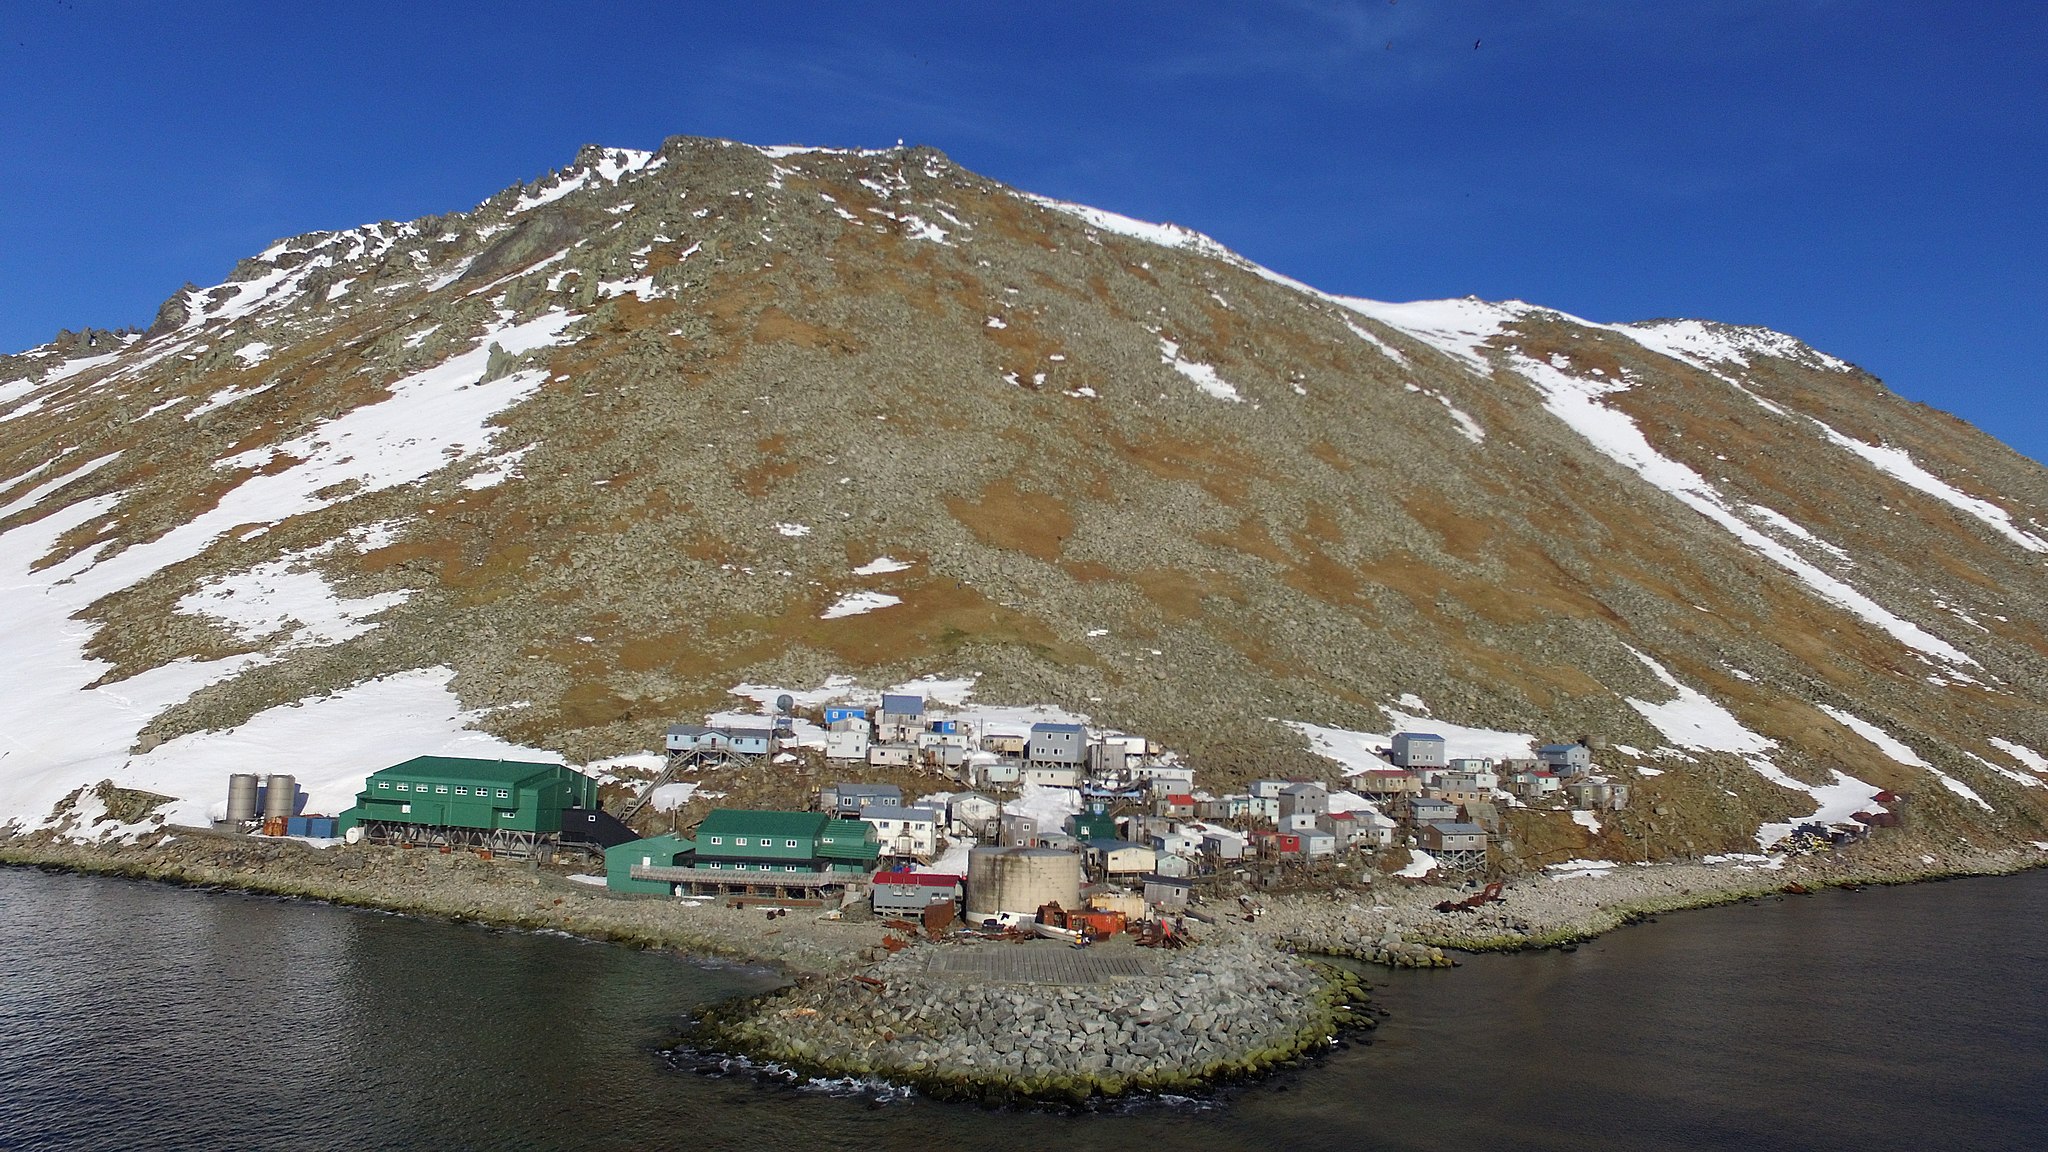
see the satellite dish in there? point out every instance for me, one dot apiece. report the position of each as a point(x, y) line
point(784, 703)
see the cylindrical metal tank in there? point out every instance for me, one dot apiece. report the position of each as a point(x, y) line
point(242, 798)
point(280, 796)
point(1020, 880)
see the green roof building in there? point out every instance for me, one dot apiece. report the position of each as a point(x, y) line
point(739, 840)
point(663, 851)
point(504, 804)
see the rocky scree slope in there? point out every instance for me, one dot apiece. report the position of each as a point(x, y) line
point(571, 464)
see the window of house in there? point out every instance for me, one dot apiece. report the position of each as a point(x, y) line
point(442, 789)
point(741, 841)
point(384, 784)
point(718, 839)
point(405, 808)
point(405, 787)
point(503, 794)
point(461, 791)
point(789, 843)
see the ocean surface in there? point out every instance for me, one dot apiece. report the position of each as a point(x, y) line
point(143, 1016)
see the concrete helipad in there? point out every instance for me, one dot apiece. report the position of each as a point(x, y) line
point(1042, 962)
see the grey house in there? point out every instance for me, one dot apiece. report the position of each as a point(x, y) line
point(1309, 800)
point(844, 799)
point(1057, 744)
point(1566, 759)
point(1418, 750)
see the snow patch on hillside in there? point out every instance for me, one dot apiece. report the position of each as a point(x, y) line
point(2032, 760)
point(1577, 402)
point(1897, 750)
point(1691, 720)
point(1704, 344)
point(431, 420)
point(1201, 375)
point(35, 495)
point(858, 604)
point(273, 596)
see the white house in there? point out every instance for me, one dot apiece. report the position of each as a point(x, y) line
point(912, 832)
point(972, 814)
point(1052, 775)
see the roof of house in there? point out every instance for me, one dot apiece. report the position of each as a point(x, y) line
point(1557, 748)
point(1180, 798)
point(1169, 881)
point(1430, 801)
point(905, 705)
point(1449, 828)
point(753, 822)
point(1418, 736)
point(465, 769)
point(896, 812)
point(1302, 789)
point(1111, 844)
point(923, 879)
point(1047, 726)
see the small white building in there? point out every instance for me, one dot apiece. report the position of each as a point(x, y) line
point(1223, 845)
point(892, 755)
point(1052, 775)
point(848, 744)
point(972, 814)
point(904, 832)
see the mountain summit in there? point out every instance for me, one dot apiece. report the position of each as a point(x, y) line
point(558, 470)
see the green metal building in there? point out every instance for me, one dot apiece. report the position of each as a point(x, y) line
point(510, 806)
point(663, 851)
point(793, 855)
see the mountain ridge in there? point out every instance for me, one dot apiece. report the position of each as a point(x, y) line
point(619, 391)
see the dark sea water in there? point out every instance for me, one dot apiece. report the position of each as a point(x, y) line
point(139, 1016)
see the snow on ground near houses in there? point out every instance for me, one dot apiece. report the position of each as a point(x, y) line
point(673, 795)
point(1577, 402)
point(1419, 864)
point(858, 604)
point(1586, 820)
point(1580, 869)
point(954, 694)
point(331, 743)
point(432, 419)
point(287, 593)
point(58, 732)
point(881, 566)
point(951, 862)
point(1891, 746)
point(1356, 751)
point(1049, 806)
point(1691, 720)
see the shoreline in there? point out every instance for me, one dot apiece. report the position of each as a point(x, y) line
point(1247, 998)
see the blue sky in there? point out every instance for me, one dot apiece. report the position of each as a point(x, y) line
point(1866, 176)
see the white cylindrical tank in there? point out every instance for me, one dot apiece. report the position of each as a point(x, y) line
point(242, 798)
point(1020, 880)
point(280, 796)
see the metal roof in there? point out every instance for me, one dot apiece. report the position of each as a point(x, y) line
point(1417, 736)
point(751, 822)
point(896, 705)
point(893, 812)
point(1043, 726)
point(465, 769)
point(1447, 828)
point(926, 879)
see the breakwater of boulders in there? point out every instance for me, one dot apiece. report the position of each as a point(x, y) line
point(1204, 1014)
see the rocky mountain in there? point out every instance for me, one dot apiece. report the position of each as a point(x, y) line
point(555, 471)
